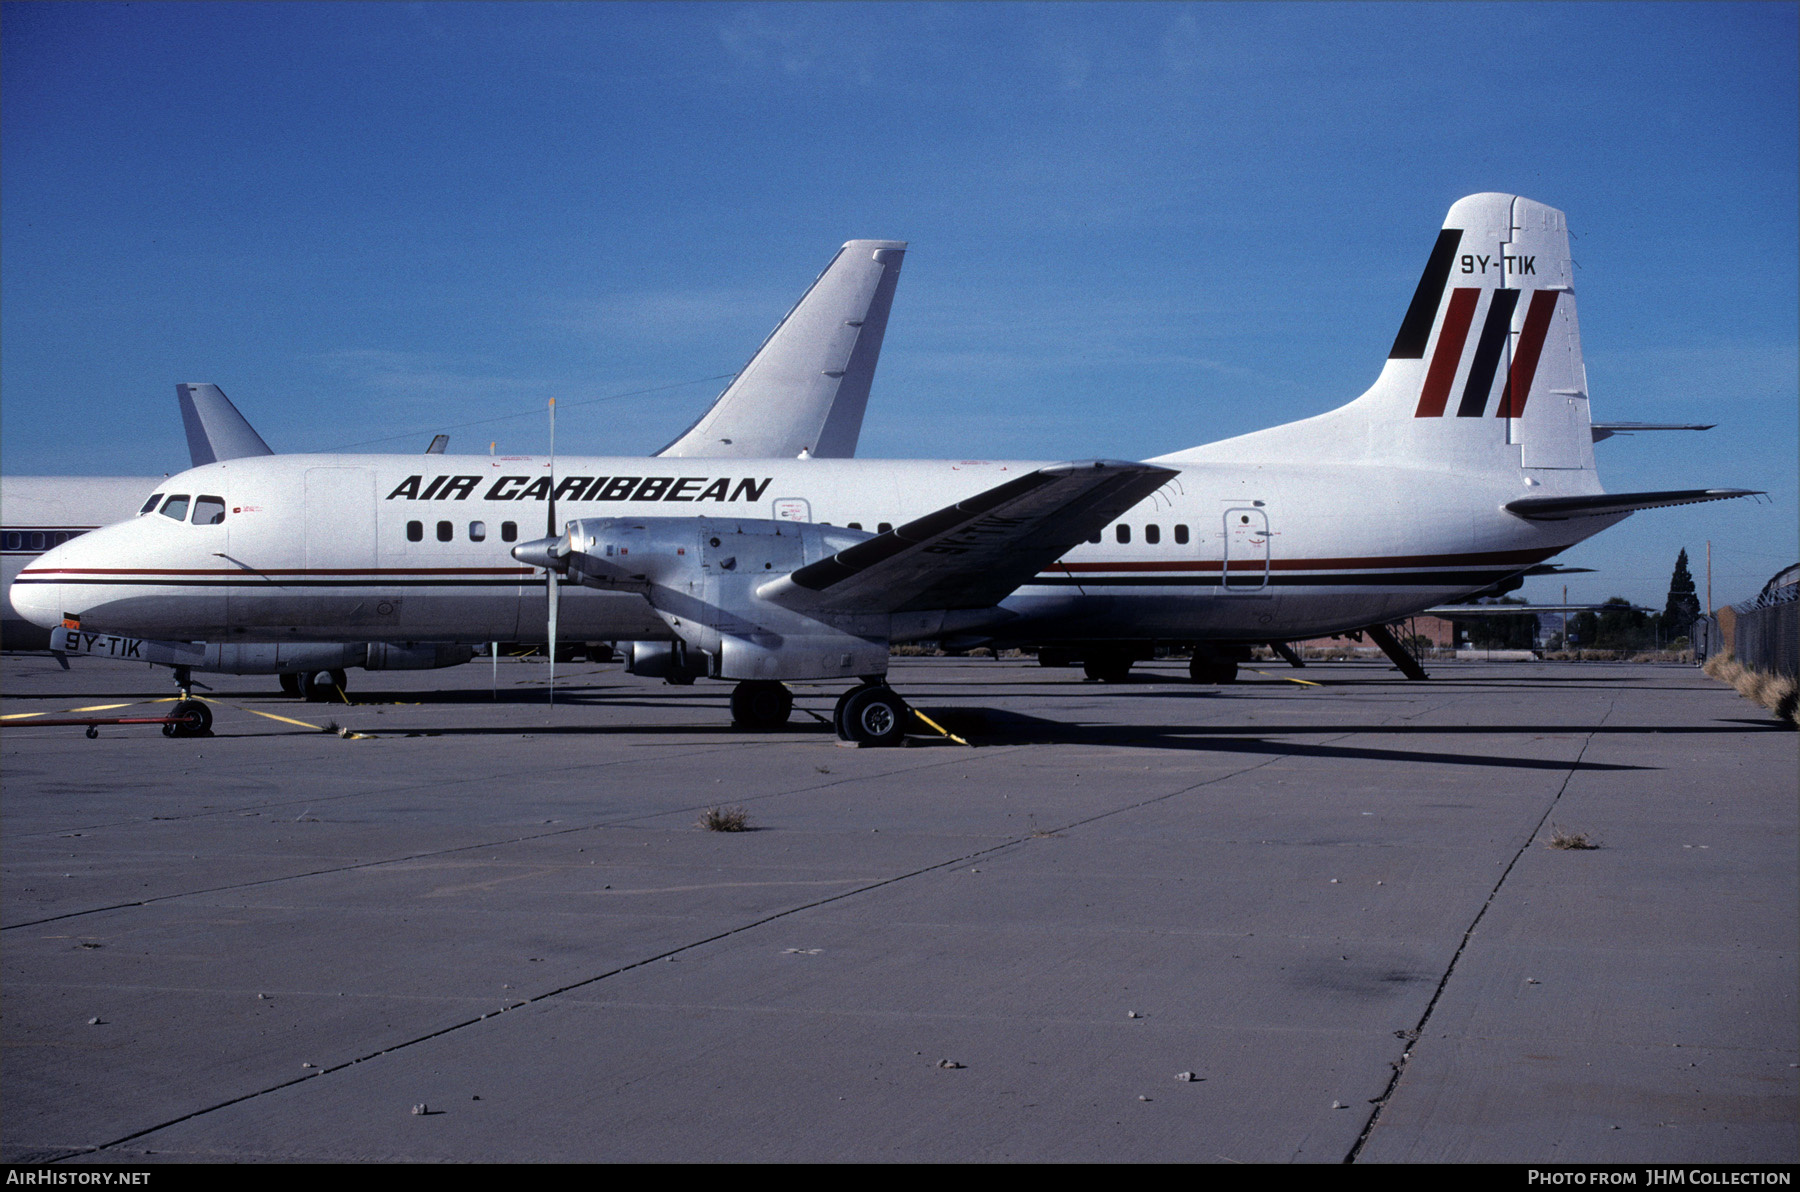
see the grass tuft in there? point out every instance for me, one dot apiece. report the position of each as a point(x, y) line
point(1564, 839)
point(724, 819)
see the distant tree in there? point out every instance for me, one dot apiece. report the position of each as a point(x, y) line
point(1622, 627)
point(1617, 626)
point(1683, 608)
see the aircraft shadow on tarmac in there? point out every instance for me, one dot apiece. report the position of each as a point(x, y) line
point(988, 726)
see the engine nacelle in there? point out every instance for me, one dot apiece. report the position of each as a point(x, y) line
point(669, 660)
point(701, 577)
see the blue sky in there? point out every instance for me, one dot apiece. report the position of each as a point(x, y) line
point(1134, 228)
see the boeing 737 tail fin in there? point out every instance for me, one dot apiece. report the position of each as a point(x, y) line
point(215, 429)
point(1485, 373)
point(807, 386)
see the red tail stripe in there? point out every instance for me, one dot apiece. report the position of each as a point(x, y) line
point(1436, 393)
point(1531, 346)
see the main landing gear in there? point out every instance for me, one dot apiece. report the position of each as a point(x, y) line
point(870, 714)
point(761, 705)
point(314, 686)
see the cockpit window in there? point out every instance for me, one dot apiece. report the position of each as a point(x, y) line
point(209, 511)
point(155, 499)
point(176, 507)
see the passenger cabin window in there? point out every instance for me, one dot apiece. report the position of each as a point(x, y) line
point(1123, 532)
point(1181, 535)
point(176, 507)
point(415, 531)
point(509, 532)
point(150, 504)
point(37, 541)
point(209, 511)
point(446, 531)
point(1095, 538)
point(1153, 534)
point(477, 531)
point(854, 526)
point(884, 527)
point(15, 540)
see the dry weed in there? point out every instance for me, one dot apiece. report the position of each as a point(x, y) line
point(1564, 839)
point(724, 819)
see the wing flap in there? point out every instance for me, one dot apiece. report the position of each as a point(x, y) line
point(972, 554)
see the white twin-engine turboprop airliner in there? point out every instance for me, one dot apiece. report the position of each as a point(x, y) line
point(1470, 460)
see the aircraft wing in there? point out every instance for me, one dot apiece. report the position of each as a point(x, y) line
point(972, 554)
point(1563, 508)
point(806, 388)
point(215, 429)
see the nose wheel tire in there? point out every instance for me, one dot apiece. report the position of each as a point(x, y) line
point(761, 705)
point(872, 715)
point(290, 683)
point(191, 718)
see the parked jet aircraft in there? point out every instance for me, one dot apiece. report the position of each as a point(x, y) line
point(1469, 460)
point(804, 390)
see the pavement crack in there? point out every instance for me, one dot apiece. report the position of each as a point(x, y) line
point(1417, 1032)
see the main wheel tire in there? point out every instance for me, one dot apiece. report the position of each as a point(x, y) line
point(290, 683)
point(1107, 667)
point(1205, 668)
point(320, 686)
point(873, 716)
point(761, 705)
point(192, 719)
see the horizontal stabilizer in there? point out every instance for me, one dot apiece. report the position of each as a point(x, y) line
point(1600, 504)
point(215, 429)
point(1606, 430)
point(1506, 610)
point(972, 554)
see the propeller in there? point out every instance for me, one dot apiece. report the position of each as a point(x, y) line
point(550, 531)
point(549, 552)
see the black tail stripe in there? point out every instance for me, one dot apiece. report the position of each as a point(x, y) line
point(1415, 329)
point(1487, 354)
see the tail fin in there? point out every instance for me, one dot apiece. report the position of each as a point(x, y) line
point(807, 386)
point(1485, 373)
point(215, 429)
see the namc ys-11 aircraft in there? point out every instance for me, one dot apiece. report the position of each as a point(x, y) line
point(1469, 461)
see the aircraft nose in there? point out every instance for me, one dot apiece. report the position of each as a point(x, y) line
point(39, 602)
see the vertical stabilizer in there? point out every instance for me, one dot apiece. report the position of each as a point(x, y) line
point(1491, 335)
point(215, 429)
point(1485, 373)
point(806, 388)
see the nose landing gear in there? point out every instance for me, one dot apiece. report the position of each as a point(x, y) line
point(190, 717)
